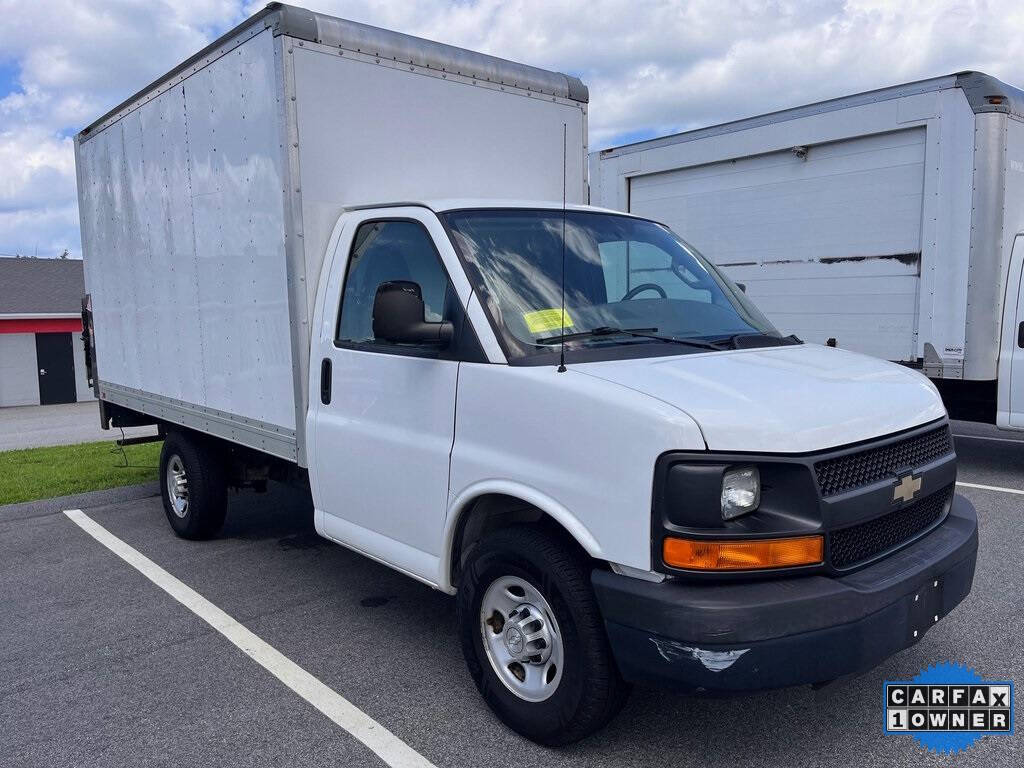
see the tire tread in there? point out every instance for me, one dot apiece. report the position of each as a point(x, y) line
point(604, 692)
point(207, 483)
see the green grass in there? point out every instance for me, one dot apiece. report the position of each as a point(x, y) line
point(42, 473)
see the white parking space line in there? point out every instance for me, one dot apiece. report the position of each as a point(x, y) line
point(990, 439)
point(379, 739)
point(990, 488)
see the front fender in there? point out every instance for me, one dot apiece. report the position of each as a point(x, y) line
point(579, 448)
point(525, 493)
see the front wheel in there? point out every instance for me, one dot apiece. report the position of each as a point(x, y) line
point(534, 639)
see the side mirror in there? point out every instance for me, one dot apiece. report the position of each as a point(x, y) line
point(398, 317)
point(742, 286)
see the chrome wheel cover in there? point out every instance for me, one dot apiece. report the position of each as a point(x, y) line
point(177, 486)
point(521, 637)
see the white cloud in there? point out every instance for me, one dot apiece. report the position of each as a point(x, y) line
point(652, 66)
point(37, 162)
point(43, 231)
point(74, 61)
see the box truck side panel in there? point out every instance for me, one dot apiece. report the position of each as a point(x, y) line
point(998, 218)
point(946, 236)
point(235, 162)
point(139, 240)
point(830, 239)
point(183, 227)
point(383, 133)
point(986, 282)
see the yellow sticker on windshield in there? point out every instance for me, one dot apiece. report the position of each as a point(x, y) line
point(544, 320)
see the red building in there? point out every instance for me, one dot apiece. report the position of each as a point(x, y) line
point(41, 356)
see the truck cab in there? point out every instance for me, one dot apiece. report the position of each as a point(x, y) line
point(571, 420)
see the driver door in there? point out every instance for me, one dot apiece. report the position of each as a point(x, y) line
point(384, 426)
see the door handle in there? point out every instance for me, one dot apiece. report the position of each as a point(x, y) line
point(325, 381)
point(1020, 335)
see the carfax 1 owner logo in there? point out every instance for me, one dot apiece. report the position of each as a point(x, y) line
point(948, 707)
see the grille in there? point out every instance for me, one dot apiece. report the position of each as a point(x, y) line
point(873, 464)
point(849, 546)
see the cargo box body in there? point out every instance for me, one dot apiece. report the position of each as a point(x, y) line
point(207, 200)
point(884, 221)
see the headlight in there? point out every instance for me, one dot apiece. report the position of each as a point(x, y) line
point(741, 492)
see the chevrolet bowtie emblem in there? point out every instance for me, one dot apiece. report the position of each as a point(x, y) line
point(906, 488)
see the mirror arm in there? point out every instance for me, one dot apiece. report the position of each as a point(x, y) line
point(445, 333)
point(431, 334)
point(434, 334)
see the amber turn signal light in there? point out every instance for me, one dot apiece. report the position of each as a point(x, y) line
point(742, 555)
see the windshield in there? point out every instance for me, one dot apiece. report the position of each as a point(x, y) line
point(627, 281)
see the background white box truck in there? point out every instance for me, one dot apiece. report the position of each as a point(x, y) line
point(562, 415)
point(887, 221)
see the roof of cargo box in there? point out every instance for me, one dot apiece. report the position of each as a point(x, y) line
point(984, 94)
point(304, 24)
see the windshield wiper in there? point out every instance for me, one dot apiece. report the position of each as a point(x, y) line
point(602, 330)
point(733, 341)
point(729, 342)
point(688, 341)
point(639, 333)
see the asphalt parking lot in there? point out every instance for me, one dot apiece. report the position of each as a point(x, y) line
point(100, 667)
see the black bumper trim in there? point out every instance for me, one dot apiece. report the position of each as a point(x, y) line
point(773, 633)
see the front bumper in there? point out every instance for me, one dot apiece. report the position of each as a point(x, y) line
point(733, 637)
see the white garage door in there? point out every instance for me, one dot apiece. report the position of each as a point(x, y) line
point(828, 244)
point(19, 378)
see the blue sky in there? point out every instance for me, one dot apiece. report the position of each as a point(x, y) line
point(8, 76)
point(652, 66)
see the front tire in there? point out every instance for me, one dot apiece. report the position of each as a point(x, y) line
point(534, 639)
point(193, 486)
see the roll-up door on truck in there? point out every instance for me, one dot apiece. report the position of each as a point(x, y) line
point(825, 238)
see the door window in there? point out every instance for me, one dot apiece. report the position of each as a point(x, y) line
point(383, 251)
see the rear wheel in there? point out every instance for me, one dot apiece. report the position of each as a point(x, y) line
point(193, 486)
point(534, 639)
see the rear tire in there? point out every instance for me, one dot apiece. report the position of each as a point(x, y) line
point(521, 578)
point(193, 485)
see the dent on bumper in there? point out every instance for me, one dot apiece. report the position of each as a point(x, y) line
point(775, 633)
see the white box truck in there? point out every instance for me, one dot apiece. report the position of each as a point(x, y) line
point(562, 415)
point(886, 222)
